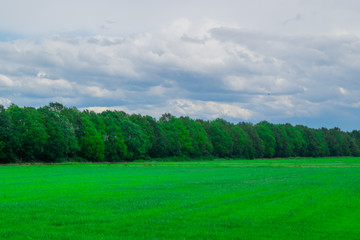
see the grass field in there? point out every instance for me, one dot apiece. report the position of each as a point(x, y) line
point(232, 199)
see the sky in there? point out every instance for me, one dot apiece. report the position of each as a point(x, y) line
point(283, 61)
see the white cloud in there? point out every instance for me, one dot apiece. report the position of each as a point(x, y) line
point(58, 84)
point(182, 107)
point(157, 91)
point(41, 74)
point(248, 85)
point(5, 102)
point(94, 91)
point(209, 109)
point(118, 17)
point(202, 69)
point(343, 91)
point(262, 85)
point(5, 81)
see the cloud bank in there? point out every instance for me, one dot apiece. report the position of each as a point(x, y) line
point(201, 69)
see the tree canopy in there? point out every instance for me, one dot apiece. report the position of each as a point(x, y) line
point(56, 133)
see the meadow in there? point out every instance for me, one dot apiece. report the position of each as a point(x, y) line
point(305, 198)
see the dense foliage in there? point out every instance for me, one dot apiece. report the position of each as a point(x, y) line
point(56, 133)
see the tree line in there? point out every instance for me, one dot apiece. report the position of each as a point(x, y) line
point(55, 133)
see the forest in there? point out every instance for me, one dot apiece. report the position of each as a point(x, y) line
point(55, 133)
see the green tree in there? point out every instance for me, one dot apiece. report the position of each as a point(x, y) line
point(115, 147)
point(135, 140)
point(355, 142)
point(282, 148)
point(62, 142)
point(240, 142)
point(9, 139)
point(91, 141)
point(178, 136)
point(219, 137)
point(148, 129)
point(29, 124)
point(160, 146)
point(254, 145)
point(201, 144)
point(296, 141)
point(339, 142)
point(264, 130)
point(316, 143)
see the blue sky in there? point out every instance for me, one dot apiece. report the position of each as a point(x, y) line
point(295, 61)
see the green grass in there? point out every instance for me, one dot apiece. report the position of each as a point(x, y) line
point(242, 199)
